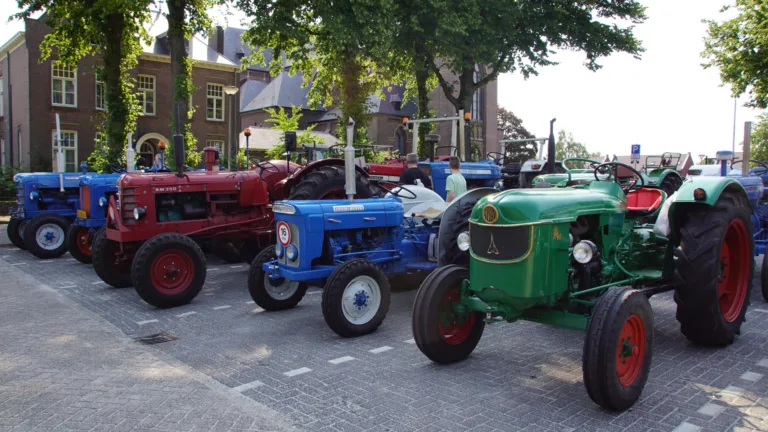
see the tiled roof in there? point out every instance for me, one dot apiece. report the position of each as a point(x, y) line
point(233, 44)
point(200, 51)
point(248, 92)
point(283, 91)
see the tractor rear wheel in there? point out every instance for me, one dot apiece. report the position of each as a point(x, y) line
point(108, 263)
point(168, 270)
point(618, 348)
point(328, 182)
point(714, 269)
point(45, 236)
point(15, 231)
point(441, 331)
point(671, 184)
point(272, 294)
point(356, 298)
point(79, 243)
point(764, 278)
point(449, 247)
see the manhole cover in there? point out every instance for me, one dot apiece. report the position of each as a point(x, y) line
point(155, 338)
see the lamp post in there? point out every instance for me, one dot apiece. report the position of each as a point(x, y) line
point(231, 91)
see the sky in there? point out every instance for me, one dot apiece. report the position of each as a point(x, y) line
point(665, 102)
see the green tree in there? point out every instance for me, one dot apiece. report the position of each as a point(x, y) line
point(289, 121)
point(567, 147)
point(759, 139)
point(737, 48)
point(114, 29)
point(511, 127)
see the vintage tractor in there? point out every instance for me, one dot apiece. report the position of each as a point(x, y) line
point(351, 247)
point(582, 257)
point(45, 209)
point(95, 192)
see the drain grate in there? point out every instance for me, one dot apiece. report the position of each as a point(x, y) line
point(156, 338)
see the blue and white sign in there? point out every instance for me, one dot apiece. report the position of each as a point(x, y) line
point(635, 156)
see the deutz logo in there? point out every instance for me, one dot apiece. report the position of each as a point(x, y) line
point(490, 214)
point(556, 234)
point(492, 249)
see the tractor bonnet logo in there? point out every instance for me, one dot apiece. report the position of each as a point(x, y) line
point(492, 249)
point(348, 208)
point(490, 214)
point(284, 233)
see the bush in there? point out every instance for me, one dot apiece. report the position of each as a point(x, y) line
point(7, 186)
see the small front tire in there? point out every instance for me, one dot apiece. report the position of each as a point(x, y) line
point(45, 236)
point(15, 231)
point(79, 240)
point(271, 294)
point(108, 262)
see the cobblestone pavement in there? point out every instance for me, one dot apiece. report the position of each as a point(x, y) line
point(522, 376)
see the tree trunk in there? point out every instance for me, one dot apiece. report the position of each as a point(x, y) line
point(117, 99)
point(351, 106)
point(422, 75)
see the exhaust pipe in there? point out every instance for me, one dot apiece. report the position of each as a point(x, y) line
point(551, 147)
point(349, 161)
point(178, 144)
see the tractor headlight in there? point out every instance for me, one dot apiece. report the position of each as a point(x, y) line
point(102, 202)
point(292, 253)
point(33, 196)
point(283, 208)
point(138, 213)
point(584, 251)
point(279, 250)
point(463, 241)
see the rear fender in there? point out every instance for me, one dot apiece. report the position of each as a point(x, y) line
point(657, 176)
point(713, 186)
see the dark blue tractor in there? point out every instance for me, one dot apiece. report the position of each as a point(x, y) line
point(95, 191)
point(45, 209)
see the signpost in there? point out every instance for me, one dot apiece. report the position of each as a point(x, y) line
point(635, 157)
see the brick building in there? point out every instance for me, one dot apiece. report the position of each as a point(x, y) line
point(33, 93)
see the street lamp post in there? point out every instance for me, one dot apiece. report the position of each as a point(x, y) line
point(231, 91)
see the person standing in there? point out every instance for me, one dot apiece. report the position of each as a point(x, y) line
point(455, 184)
point(413, 173)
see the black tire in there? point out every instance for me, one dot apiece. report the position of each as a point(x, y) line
point(225, 250)
point(764, 278)
point(107, 264)
point(260, 292)
point(326, 182)
point(183, 278)
point(443, 284)
point(15, 231)
point(335, 303)
point(449, 248)
point(248, 252)
point(703, 233)
point(671, 184)
point(79, 244)
point(58, 229)
point(613, 385)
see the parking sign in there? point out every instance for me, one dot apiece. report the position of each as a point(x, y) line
point(635, 155)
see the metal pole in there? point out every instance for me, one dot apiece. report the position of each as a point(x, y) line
point(415, 137)
point(746, 149)
point(231, 125)
point(454, 131)
point(129, 155)
point(349, 161)
point(461, 133)
point(735, 104)
point(59, 156)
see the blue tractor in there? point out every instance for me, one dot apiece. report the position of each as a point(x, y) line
point(95, 190)
point(45, 210)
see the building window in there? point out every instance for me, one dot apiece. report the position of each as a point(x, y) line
point(64, 85)
point(217, 144)
point(147, 94)
point(215, 105)
point(69, 147)
point(101, 95)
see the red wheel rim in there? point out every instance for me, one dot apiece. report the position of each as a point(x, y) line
point(451, 331)
point(630, 351)
point(172, 271)
point(84, 241)
point(733, 271)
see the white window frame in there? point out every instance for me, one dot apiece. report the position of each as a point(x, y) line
point(64, 79)
point(218, 101)
point(103, 107)
point(218, 144)
point(143, 95)
point(68, 148)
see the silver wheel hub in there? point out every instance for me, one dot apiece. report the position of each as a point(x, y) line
point(361, 300)
point(49, 236)
point(280, 288)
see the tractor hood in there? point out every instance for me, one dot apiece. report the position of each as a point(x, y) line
point(48, 180)
point(524, 206)
point(99, 179)
point(330, 215)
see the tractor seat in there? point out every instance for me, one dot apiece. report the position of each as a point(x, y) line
point(644, 201)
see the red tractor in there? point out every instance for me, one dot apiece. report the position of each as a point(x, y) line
point(157, 224)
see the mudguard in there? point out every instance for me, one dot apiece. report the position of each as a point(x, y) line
point(449, 218)
point(713, 186)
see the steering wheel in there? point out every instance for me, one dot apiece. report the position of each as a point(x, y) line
point(592, 164)
point(762, 165)
point(498, 158)
point(411, 194)
point(117, 169)
point(264, 166)
point(605, 168)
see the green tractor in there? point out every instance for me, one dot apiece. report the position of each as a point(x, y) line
point(659, 172)
point(582, 257)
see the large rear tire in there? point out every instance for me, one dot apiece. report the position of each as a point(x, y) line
point(108, 263)
point(671, 184)
point(168, 270)
point(449, 247)
point(440, 332)
point(328, 182)
point(270, 294)
point(45, 236)
point(618, 348)
point(79, 241)
point(714, 266)
point(15, 231)
point(356, 298)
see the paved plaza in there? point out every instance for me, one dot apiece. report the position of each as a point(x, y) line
point(72, 357)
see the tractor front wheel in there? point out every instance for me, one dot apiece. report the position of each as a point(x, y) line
point(79, 243)
point(272, 294)
point(15, 231)
point(764, 278)
point(168, 270)
point(714, 266)
point(618, 348)
point(45, 236)
point(443, 331)
point(356, 298)
point(108, 263)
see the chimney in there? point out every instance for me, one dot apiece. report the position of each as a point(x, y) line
point(216, 40)
point(240, 53)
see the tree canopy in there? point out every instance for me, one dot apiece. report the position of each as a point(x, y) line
point(511, 128)
point(567, 147)
point(759, 139)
